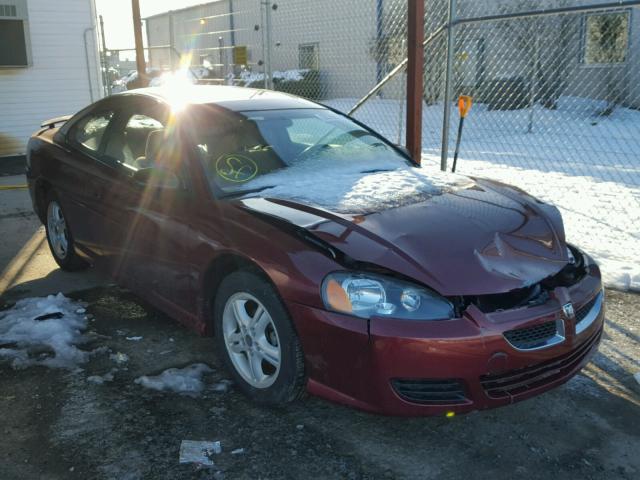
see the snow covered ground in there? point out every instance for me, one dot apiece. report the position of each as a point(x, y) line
point(587, 165)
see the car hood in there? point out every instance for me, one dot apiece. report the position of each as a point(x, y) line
point(485, 238)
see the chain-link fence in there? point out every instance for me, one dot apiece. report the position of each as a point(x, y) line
point(555, 83)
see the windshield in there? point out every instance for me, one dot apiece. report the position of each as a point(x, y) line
point(257, 150)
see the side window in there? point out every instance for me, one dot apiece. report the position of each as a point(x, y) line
point(139, 143)
point(89, 131)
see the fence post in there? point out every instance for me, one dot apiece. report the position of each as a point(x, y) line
point(403, 95)
point(137, 35)
point(268, 78)
point(415, 74)
point(172, 44)
point(447, 86)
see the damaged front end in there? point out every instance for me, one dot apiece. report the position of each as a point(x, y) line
point(538, 293)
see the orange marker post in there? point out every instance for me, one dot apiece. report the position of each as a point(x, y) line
point(464, 105)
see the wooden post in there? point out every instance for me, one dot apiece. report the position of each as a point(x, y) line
point(137, 33)
point(415, 37)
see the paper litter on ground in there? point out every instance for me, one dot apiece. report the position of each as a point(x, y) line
point(200, 452)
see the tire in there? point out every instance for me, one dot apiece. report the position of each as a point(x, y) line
point(250, 342)
point(59, 236)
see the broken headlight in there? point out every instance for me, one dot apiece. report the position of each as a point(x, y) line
point(366, 295)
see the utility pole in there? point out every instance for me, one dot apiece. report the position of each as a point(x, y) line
point(137, 34)
point(415, 55)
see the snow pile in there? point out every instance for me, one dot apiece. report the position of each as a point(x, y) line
point(294, 75)
point(186, 380)
point(356, 186)
point(43, 331)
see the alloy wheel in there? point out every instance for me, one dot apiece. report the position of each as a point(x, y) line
point(57, 230)
point(251, 339)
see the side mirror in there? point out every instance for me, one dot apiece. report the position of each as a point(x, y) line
point(157, 178)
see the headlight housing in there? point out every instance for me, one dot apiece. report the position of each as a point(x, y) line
point(365, 295)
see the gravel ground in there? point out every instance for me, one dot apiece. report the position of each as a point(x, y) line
point(57, 425)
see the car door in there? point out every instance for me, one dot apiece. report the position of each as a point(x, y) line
point(146, 203)
point(80, 169)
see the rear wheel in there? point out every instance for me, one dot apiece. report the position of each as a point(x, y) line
point(59, 237)
point(257, 341)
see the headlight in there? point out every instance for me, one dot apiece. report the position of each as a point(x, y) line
point(365, 295)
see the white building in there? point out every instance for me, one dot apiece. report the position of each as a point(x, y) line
point(49, 65)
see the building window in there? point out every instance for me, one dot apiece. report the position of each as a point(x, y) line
point(606, 38)
point(8, 11)
point(308, 56)
point(14, 44)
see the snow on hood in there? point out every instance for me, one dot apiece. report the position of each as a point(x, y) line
point(357, 186)
point(43, 331)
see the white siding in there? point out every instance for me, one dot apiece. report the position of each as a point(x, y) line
point(57, 81)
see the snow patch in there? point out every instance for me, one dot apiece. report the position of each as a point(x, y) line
point(100, 379)
point(294, 75)
point(186, 380)
point(119, 357)
point(356, 186)
point(43, 331)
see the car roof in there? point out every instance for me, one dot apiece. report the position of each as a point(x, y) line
point(236, 99)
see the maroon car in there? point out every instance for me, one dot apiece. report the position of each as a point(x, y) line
point(317, 254)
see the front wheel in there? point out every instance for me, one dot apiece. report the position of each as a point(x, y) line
point(59, 237)
point(257, 341)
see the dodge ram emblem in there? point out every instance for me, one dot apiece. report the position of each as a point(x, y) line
point(568, 310)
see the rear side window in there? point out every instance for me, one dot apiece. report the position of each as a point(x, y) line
point(138, 144)
point(89, 131)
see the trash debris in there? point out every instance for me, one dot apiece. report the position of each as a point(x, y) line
point(49, 316)
point(46, 324)
point(186, 380)
point(237, 451)
point(637, 376)
point(133, 339)
point(81, 310)
point(119, 357)
point(200, 452)
point(300, 427)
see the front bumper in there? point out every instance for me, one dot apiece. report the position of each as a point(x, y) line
point(400, 367)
